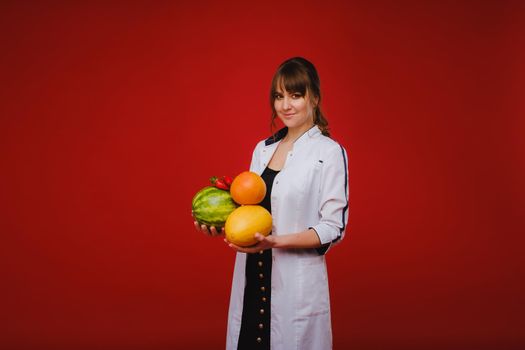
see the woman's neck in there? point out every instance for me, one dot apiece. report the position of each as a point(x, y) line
point(294, 133)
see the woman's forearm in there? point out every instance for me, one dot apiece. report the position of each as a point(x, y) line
point(305, 239)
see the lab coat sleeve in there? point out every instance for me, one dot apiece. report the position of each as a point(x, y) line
point(333, 205)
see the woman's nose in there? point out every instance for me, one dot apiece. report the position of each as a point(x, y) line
point(286, 103)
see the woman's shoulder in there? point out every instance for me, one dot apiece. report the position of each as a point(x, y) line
point(328, 145)
point(259, 145)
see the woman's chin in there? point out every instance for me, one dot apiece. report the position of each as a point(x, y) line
point(289, 123)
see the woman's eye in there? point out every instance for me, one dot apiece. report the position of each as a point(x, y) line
point(296, 96)
point(278, 97)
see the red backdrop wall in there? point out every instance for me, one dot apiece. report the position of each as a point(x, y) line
point(113, 114)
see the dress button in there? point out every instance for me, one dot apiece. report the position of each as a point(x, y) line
point(263, 289)
point(261, 311)
point(261, 326)
point(260, 263)
point(263, 299)
point(261, 276)
point(261, 252)
point(259, 339)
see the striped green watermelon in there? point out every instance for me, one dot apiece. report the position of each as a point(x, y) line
point(211, 206)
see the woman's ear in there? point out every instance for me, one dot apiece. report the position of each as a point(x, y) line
point(315, 102)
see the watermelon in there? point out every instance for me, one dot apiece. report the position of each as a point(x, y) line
point(211, 206)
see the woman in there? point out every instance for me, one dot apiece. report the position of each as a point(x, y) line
point(279, 297)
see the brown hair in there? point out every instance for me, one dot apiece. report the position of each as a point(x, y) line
point(298, 75)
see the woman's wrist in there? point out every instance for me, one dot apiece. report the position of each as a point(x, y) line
point(279, 242)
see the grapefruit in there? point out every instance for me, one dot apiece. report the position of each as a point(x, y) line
point(248, 188)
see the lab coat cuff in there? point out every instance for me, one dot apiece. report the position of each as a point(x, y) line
point(324, 246)
point(325, 232)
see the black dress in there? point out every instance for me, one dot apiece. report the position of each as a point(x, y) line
point(255, 326)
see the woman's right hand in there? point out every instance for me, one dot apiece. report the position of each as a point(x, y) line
point(210, 231)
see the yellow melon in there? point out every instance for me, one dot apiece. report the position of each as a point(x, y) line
point(244, 222)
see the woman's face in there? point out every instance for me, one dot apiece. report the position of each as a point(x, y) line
point(293, 109)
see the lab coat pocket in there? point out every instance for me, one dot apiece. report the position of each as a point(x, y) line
point(313, 292)
point(306, 178)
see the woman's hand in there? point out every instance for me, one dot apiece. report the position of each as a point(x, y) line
point(263, 242)
point(210, 231)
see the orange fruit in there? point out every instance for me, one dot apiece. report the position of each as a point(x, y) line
point(248, 188)
point(244, 222)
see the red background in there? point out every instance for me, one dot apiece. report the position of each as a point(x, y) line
point(113, 115)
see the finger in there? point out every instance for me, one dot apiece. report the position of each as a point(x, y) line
point(218, 233)
point(234, 247)
point(256, 248)
point(204, 229)
point(213, 231)
point(230, 244)
point(251, 249)
point(238, 248)
point(197, 226)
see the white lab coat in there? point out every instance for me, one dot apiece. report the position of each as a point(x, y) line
point(311, 191)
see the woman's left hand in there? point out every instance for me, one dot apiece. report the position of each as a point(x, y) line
point(264, 242)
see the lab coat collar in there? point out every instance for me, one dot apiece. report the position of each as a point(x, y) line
point(278, 136)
